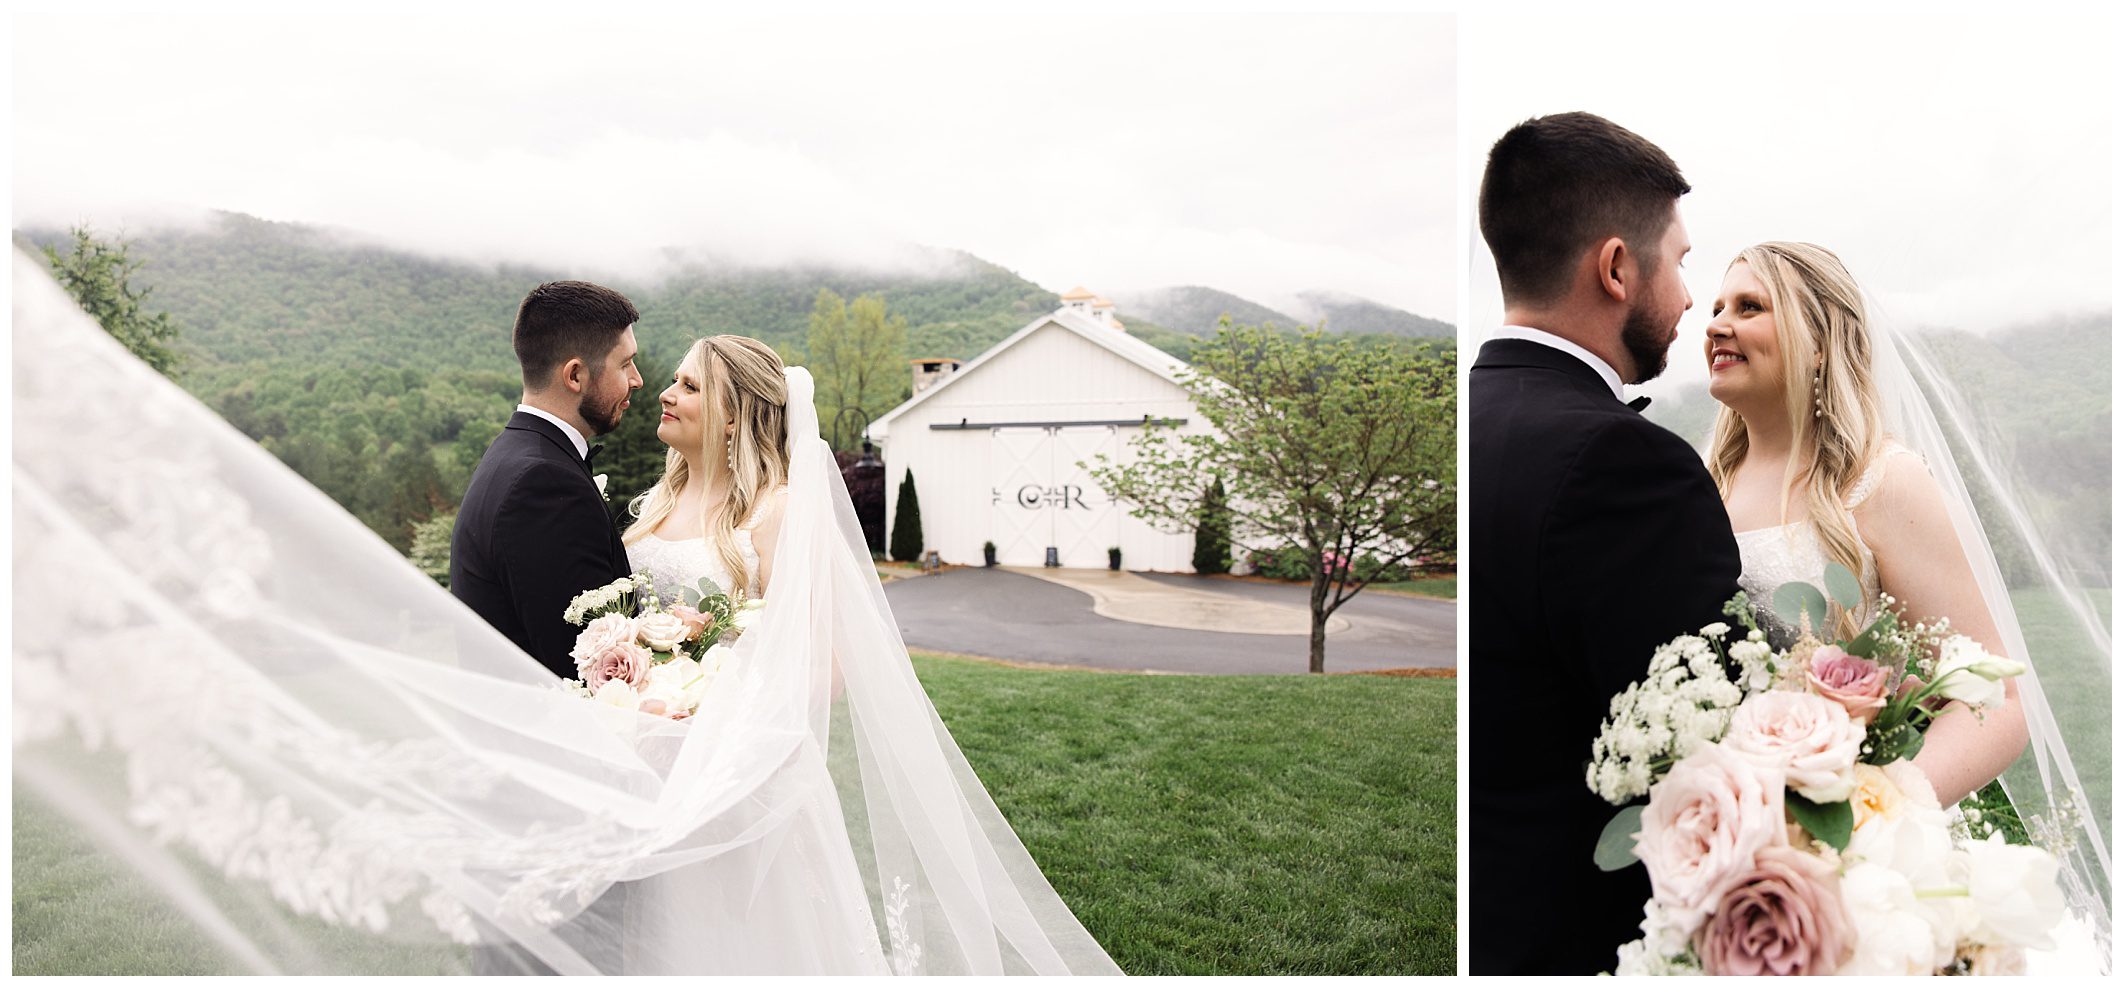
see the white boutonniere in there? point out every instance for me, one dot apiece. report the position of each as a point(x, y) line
point(600, 478)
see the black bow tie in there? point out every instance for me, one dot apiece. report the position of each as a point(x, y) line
point(595, 448)
point(1638, 404)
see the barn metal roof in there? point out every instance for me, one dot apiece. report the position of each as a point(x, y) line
point(1129, 348)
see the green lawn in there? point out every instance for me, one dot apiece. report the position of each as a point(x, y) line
point(70, 904)
point(1435, 586)
point(1226, 825)
point(1197, 825)
point(2075, 681)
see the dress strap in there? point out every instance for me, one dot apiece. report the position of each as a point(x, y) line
point(1870, 481)
point(761, 511)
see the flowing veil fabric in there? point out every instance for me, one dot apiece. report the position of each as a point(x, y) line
point(2066, 645)
point(279, 733)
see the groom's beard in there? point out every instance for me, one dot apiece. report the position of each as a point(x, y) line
point(600, 412)
point(1646, 340)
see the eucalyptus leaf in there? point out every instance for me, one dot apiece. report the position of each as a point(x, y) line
point(1618, 840)
point(1796, 601)
point(1869, 641)
point(689, 598)
point(1842, 585)
point(1830, 824)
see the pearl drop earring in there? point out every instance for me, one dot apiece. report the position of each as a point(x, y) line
point(1817, 392)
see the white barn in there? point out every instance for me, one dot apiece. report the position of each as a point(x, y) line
point(994, 444)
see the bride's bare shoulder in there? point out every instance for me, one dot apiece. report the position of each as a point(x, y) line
point(1899, 498)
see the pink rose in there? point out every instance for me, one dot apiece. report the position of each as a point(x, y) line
point(599, 636)
point(1811, 740)
point(624, 661)
point(1861, 686)
point(1703, 827)
point(1784, 916)
point(695, 620)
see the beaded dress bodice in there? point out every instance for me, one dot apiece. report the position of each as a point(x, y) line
point(1773, 557)
point(683, 562)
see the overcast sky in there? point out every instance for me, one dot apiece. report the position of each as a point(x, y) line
point(1961, 168)
point(1263, 155)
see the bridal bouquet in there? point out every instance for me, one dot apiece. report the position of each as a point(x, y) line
point(1787, 831)
point(636, 654)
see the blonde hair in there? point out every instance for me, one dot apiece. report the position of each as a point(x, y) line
point(1820, 315)
point(744, 387)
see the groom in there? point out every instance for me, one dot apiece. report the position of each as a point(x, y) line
point(1596, 535)
point(532, 531)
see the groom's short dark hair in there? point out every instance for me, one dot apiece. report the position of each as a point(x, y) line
point(563, 319)
point(1558, 184)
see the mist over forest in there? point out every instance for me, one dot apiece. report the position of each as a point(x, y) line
point(380, 375)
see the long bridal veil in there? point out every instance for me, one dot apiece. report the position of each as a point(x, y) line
point(289, 751)
point(2047, 618)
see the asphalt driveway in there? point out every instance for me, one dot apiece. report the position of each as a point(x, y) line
point(1006, 615)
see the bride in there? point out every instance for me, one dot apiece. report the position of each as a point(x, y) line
point(293, 748)
point(715, 515)
point(1825, 452)
point(1811, 477)
point(717, 509)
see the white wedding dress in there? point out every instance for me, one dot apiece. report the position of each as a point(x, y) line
point(1794, 553)
point(808, 891)
point(675, 563)
point(313, 759)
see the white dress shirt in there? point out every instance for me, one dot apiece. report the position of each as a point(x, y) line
point(582, 446)
point(1555, 342)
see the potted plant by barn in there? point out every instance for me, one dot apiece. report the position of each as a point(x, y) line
point(988, 553)
point(1113, 558)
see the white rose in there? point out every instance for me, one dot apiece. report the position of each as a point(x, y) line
point(600, 478)
point(1899, 825)
point(2015, 891)
point(616, 693)
point(1811, 740)
point(1968, 673)
point(1892, 936)
point(661, 630)
point(679, 683)
point(712, 660)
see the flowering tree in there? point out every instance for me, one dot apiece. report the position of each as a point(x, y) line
point(1343, 453)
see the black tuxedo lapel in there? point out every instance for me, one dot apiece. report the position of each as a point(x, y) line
point(551, 433)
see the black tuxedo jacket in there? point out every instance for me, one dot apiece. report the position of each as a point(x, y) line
point(532, 532)
point(1596, 536)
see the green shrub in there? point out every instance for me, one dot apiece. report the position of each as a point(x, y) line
point(907, 523)
point(1213, 532)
